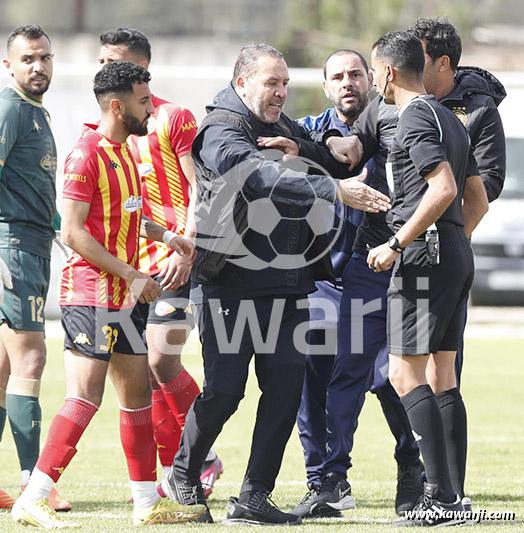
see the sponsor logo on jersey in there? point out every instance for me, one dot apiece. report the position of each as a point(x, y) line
point(81, 338)
point(113, 165)
point(36, 126)
point(189, 126)
point(132, 204)
point(3, 140)
point(144, 169)
point(75, 177)
point(48, 162)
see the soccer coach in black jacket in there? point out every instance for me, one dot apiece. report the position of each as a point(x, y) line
point(242, 280)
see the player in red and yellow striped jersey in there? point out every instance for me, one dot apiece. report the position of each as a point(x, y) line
point(102, 223)
point(103, 174)
point(165, 165)
point(168, 178)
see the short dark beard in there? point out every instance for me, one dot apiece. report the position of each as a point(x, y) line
point(354, 112)
point(35, 92)
point(134, 126)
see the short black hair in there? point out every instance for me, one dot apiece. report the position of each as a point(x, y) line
point(29, 32)
point(403, 50)
point(135, 40)
point(118, 78)
point(441, 39)
point(344, 51)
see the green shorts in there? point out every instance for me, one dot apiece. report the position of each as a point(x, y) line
point(23, 306)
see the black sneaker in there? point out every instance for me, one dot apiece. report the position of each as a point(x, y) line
point(303, 509)
point(334, 494)
point(432, 512)
point(471, 518)
point(409, 486)
point(258, 511)
point(186, 492)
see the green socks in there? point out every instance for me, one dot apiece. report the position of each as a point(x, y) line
point(25, 418)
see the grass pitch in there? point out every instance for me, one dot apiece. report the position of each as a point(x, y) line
point(493, 388)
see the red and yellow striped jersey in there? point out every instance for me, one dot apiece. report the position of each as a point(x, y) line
point(104, 174)
point(165, 189)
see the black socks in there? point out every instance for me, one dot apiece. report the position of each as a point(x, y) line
point(454, 419)
point(428, 429)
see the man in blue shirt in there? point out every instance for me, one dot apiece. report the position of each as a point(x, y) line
point(347, 84)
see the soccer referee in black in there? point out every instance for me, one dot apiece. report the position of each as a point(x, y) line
point(431, 173)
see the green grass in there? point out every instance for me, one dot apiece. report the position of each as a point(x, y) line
point(493, 387)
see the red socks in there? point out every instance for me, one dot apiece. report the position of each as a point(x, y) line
point(180, 393)
point(64, 433)
point(166, 429)
point(136, 434)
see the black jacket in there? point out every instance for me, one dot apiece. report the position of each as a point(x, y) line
point(232, 260)
point(474, 101)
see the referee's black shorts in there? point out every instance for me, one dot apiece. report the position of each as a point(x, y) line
point(426, 304)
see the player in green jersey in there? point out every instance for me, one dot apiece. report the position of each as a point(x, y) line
point(27, 212)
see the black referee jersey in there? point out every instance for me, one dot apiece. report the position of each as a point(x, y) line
point(427, 134)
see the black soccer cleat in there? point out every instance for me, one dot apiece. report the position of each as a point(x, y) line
point(334, 494)
point(409, 486)
point(430, 512)
point(303, 509)
point(259, 510)
point(186, 492)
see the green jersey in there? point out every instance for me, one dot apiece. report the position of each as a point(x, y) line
point(27, 174)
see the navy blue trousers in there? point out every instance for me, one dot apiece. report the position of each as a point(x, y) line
point(361, 341)
point(349, 374)
point(311, 418)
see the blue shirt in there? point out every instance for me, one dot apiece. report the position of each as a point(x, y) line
point(342, 248)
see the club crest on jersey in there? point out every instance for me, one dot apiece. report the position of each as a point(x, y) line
point(132, 204)
point(144, 169)
point(460, 113)
point(48, 162)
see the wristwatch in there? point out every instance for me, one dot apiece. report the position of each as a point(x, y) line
point(395, 245)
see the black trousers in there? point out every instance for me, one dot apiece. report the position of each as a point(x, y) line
point(232, 332)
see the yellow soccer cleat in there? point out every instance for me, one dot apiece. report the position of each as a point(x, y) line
point(38, 514)
point(167, 512)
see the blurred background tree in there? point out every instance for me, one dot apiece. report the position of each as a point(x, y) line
point(210, 32)
point(306, 29)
